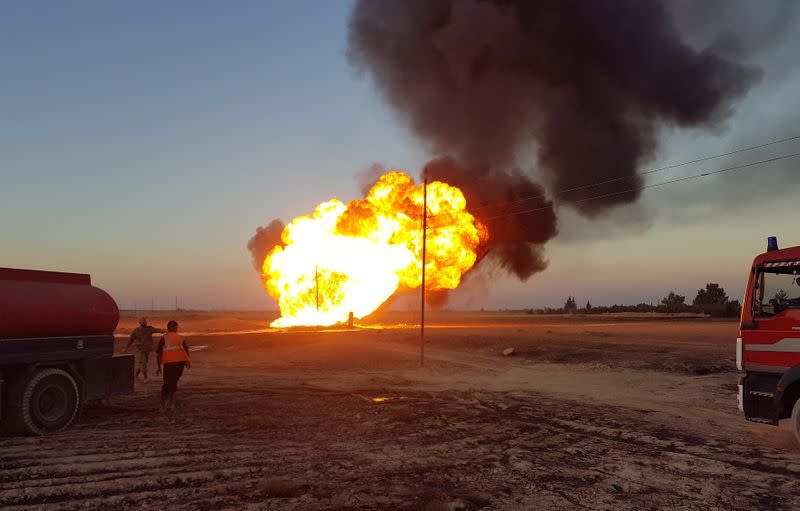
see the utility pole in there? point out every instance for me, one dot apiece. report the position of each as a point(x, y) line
point(316, 283)
point(176, 303)
point(424, 254)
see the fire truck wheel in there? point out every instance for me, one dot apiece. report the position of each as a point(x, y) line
point(796, 420)
point(50, 402)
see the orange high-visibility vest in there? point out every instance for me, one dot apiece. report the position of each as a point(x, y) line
point(173, 349)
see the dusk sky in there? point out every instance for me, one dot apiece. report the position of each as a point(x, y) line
point(143, 142)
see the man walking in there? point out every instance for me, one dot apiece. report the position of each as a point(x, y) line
point(173, 353)
point(142, 336)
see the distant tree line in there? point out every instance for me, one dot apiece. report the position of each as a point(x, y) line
point(710, 300)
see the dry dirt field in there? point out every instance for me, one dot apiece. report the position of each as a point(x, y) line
point(588, 413)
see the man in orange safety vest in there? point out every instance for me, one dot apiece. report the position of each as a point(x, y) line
point(173, 354)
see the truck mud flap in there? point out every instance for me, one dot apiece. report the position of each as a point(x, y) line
point(105, 377)
point(758, 398)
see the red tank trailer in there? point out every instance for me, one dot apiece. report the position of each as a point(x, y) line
point(56, 349)
point(51, 304)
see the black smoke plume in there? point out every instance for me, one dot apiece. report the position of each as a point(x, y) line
point(516, 241)
point(584, 83)
point(264, 240)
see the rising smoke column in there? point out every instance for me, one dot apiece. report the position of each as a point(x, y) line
point(586, 83)
point(263, 241)
point(515, 242)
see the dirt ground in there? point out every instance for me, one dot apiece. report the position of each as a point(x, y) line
point(588, 413)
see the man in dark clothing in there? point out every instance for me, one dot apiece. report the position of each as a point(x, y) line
point(173, 354)
point(142, 336)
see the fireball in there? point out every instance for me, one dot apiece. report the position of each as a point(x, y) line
point(352, 258)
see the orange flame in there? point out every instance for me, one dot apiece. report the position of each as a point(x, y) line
point(352, 258)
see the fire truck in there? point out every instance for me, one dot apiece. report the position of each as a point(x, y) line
point(768, 347)
point(56, 349)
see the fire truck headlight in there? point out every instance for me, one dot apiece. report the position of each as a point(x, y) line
point(739, 353)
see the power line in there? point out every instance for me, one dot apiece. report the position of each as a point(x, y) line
point(613, 180)
point(662, 183)
point(644, 187)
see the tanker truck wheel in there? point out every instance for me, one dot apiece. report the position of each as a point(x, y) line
point(50, 402)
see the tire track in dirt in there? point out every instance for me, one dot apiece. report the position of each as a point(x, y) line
point(680, 464)
point(338, 451)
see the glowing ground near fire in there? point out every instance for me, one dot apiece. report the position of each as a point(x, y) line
point(351, 258)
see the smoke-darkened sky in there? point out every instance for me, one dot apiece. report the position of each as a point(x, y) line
point(143, 143)
point(588, 83)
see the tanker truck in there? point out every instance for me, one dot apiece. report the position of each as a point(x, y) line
point(56, 349)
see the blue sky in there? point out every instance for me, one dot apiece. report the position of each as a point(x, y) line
point(143, 142)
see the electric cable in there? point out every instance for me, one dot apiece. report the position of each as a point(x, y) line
point(644, 173)
point(640, 188)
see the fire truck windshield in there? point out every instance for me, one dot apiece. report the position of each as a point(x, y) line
point(777, 289)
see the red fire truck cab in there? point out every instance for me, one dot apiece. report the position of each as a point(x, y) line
point(768, 347)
